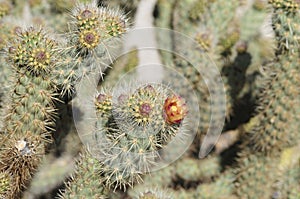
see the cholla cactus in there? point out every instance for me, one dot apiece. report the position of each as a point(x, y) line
point(94, 31)
point(86, 181)
point(137, 125)
point(41, 68)
point(134, 131)
point(276, 133)
point(130, 130)
point(275, 130)
point(30, 116)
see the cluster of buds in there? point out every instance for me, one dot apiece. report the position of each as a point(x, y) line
point(31, 113)
point(32, 51)
point(92, 26)
point(137, 125)
point(290, 5)
point(103, 104)
point(94, 33)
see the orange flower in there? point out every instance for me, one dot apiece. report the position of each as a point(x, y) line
point(175, 109)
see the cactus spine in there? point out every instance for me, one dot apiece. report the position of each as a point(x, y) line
point(129, 133)
point(30, 118)
point(277, 127)
point(93, 35)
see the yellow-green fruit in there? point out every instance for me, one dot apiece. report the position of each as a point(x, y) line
point(227, 42)
point(198, 8)
point(103, 104)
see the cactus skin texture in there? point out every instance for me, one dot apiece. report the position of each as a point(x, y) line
point(253, 43)
point(30, 118)
point(195, 170)
point(151, 116)
point(161, 179)
point(277, 127)
point(249, 183)
point(154, 194)
point(221, 188)
point(94, 32)
point(86, 182)
point(277, 131)
point(142, 122)
point(288, 185)
point(286, 24)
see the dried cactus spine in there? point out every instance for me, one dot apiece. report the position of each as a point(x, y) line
point(5, 183)
point(31, 112)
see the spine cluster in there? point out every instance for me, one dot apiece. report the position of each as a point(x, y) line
point(31, 113)
point(130, 130)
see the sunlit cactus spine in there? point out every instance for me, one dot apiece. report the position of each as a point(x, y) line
point(248, 183)
point(140, 123)
point(277, 127)
point(130, 130)
point(285, 20)
point(30, 115)
point(94, 35)
point(86, 182)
